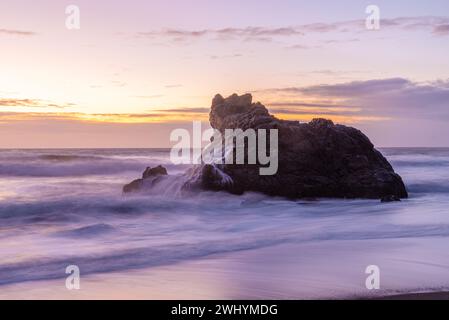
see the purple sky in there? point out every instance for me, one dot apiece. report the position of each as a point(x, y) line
point(138, 69)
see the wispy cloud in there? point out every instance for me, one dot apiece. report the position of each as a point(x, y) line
point(118, 83)
point(184, 110)
point(432, 24)
point(328, 72)
point(350, 89)
point(154, 96)
point(342, 40)
point(156, 116)
point(226, 56)
point(32, 103)
point(302, 47)
point(251, 33)
point(308, 105)
point(392, 97)
point(17, 32)
point(355, 101)
point(424, 23)
point(173, 86)
point(299, 110)
point(442, 29)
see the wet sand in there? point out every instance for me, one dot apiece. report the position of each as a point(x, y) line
point(418, 296)
point(293, 271)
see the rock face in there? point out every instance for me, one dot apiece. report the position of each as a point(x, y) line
point(152, 172)
point(315, 159)
point(149, 177)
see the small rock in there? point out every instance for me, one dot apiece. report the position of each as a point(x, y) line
point(149, 177)
point(136, 185)
point(390, 198)
point(151, 172)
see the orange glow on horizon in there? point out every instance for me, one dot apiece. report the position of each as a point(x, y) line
point(170, 117)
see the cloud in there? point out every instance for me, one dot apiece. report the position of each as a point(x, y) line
point(391, 98)
point(154, 96)
point(342, 40)
point(185, 110)
point(328, 72)
point(226, 56)
point(442, 29)
point(418, 23)
point(302, 47)
point(60, 130)
point(118, 83)
point(17, 32)
point(307, 111)
point(251, 33)
point(432, 24)
point(19, 103)
point(308, 105)
point(33, 103)
point(175, 33)
point(156, 116)
point(380, 99)
point(355, 88)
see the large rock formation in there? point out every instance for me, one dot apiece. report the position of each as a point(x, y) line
point(316, 159)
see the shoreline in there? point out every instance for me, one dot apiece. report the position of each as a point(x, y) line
point(437, 295)
point(299, 271)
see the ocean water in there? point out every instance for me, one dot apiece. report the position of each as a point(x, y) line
point(61, 207)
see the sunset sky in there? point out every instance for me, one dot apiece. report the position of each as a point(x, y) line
point(138, 69)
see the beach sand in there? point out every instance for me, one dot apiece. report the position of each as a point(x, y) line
point(293, 271)
point(418, 296)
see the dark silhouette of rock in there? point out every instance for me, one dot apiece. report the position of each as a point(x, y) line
point(150, 172)
point(210, 177)
point(390, 198)
point(316, 159)
point(133, 186)
point(149, 177)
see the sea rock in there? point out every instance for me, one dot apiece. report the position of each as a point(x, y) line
point(151, 172)
point(390, 198)
point(316, 159)
point(149, 178)
point(210, 177)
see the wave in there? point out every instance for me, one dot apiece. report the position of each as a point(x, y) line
point(71, 210)
point(429, 187)
point(89, 223)
point(90, 231)
point(68, 166)
point(157, 255)
point(67, 170)
point(420, 164)
point(66, 158)
point(124, 260)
